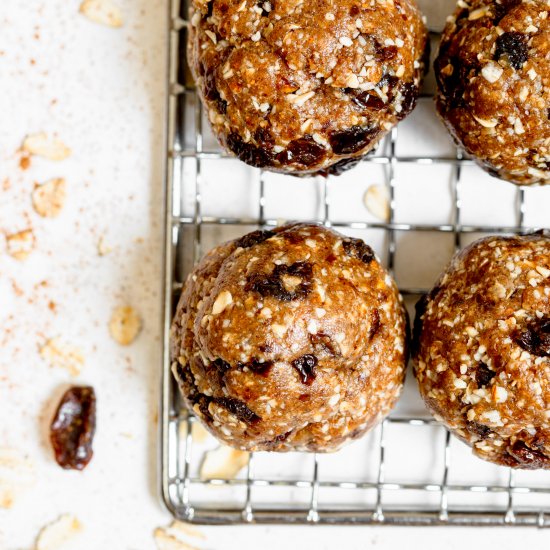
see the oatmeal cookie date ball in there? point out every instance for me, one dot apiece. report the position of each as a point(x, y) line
point(290, 339)
point(482, 349)
point(493, 73)
point(305, 87)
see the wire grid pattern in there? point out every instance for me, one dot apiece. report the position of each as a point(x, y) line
point(177, 443)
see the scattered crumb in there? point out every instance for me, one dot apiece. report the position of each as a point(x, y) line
point(124, 325)
point(186, 529)
point(48, 199)
point(59, 354)
point(47, 147)
point(57, 533)
point(223, 463)
point(20, 244)
point(103, 12)
point(16, 475)
point(377, 202)
point(165, 541)
point(102, 247)
point(25, 162)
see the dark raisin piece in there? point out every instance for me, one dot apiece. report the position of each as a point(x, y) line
point(478, 429)
point(305, 366)
point(304, 151)
point(374, 324)
point(354, 10)
point(420, 308)
point(484, 375)
point(514, 46)
point(258, 367)
point(254, 238)
point(273, 285)
point(221, 104)
point(248, 153)
point(386, 54)
point(221, 365)
point(210, 8)
point(73, 427)
point(535, 338)
point(210, 88)
point(389, 83)
point(356, 248)
point(530, 459)
point(262, 136)
point(347, 142)
point(365, 100)
point(409, 94)
point(502, 8)
point(238, 409)
point(342, 166)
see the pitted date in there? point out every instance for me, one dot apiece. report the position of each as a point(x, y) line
point(73, 427)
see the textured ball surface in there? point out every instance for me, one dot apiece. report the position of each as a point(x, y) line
point(291, 339)
point(482, 349)
point(493, 73)
point(305, 87)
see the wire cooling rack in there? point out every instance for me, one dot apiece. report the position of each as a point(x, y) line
point(409, 470)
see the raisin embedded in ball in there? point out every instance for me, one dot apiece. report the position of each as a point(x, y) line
point(254, 238)
point(365, 100)
point(248, 153)
point(342, 166)
point(514, 46)
point(535, 338)
point(528, 458)
point(347, 142)
point(258, 367)
point(304, 151)
point(357, 248)
point(409, 95)
point(273, 284)
point(478, 429)
point(502, 7)
point(237, 408)
point(305, 365)
point(484, 375)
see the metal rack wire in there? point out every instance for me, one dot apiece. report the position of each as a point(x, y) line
point(185, 224)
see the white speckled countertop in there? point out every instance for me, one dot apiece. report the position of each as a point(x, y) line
point(102, 92)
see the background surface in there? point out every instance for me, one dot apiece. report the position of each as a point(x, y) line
point(102, 92)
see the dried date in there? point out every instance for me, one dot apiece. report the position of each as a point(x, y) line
point(73, 427)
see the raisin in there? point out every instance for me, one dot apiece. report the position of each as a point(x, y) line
point(237, 408)
point(272, 285)
point(250, 154)
point(374, 324)
point(304, 151)
point(388, 82)
point(484, 375)
point(352, 140)
point(478, 429)
point(365, 100)
point(356, 248)
point(526, 457)
point(258, 367)
point(514, 46)
point(386, 54)
point(210, 8)
point(73, 427)
point(221, 365)
point(221, 105)
point(341, 166)
point(254, 238)
point(305, 365)
point(409, 94)
point(192, 394)
point(536, 338)
point(502, 9)
point(354, 10)
point(262, 136)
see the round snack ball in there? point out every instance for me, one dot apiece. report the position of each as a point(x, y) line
point(290, 339)
point(305, 87)
point(482, 349)
point(493, 74)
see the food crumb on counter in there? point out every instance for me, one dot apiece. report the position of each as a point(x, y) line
point(20, 244)
point(223, 463)
point(103, 12)
point(48, 198)
point(62, 355)
point(42, 145)
point(125, 325)
point(55, 534)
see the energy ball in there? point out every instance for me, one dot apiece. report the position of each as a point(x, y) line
point(493, 74)
point(305, 87)
point(290, 339)
point(481, 349)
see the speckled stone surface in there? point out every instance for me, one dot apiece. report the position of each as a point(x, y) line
point(291, 339)
point(482, 349)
